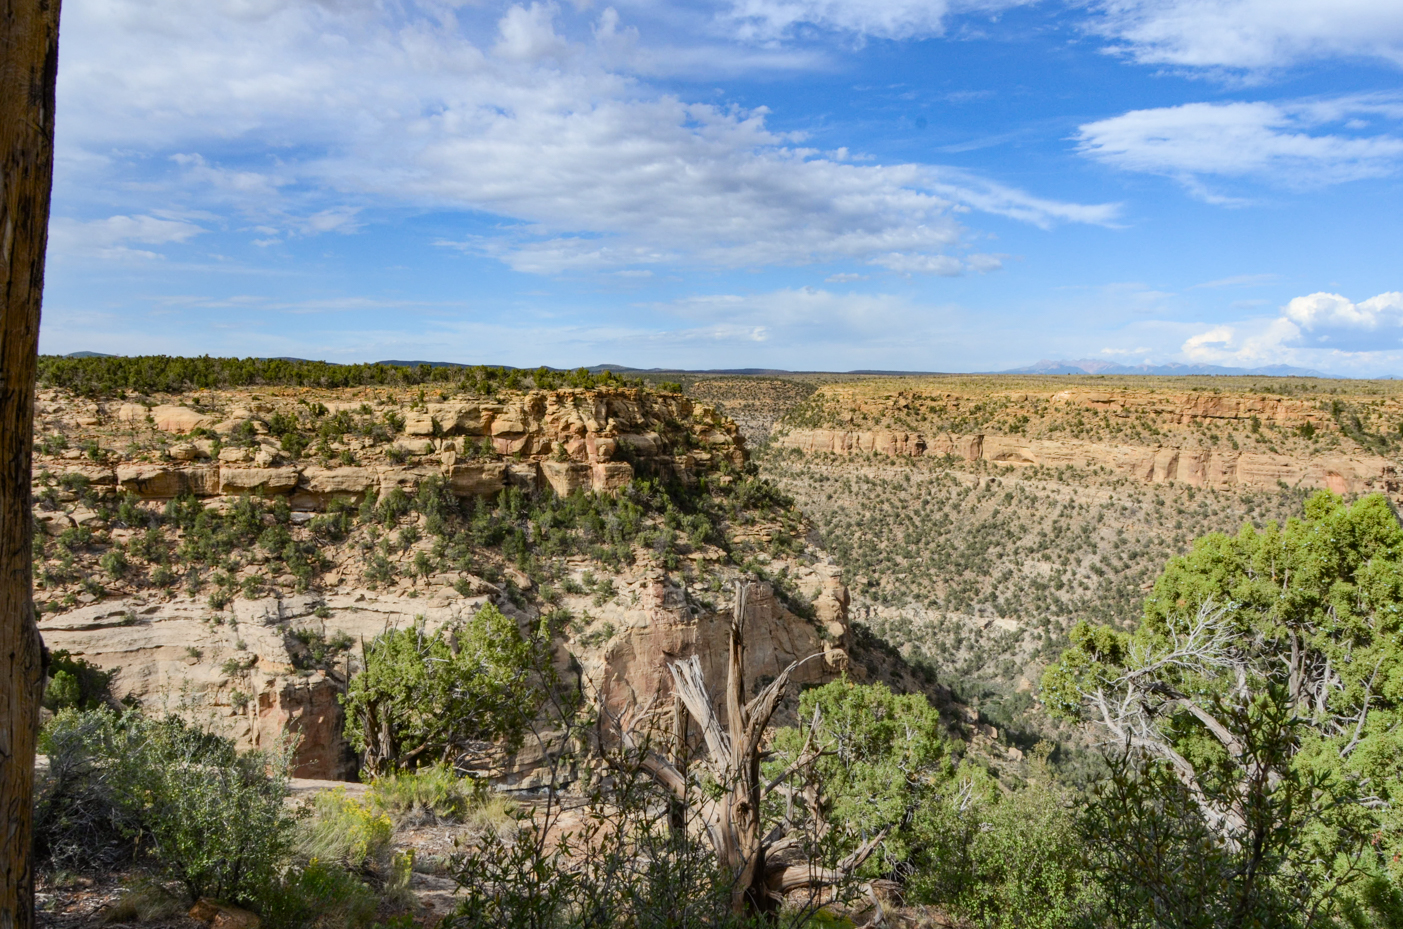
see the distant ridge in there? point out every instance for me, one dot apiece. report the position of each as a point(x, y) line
point(1098, 366)
point(1082, 366)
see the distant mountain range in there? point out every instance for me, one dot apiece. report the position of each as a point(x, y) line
point(1098, 366)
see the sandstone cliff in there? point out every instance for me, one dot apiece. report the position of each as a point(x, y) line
point(1199, 438)
point(228, 554)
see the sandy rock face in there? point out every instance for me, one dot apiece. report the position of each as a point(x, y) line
point(245, 670)
point(1339, 472)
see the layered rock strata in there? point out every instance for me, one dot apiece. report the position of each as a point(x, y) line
point(248, 670)
point(1198, 467)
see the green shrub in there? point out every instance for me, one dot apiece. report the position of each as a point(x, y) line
point(345, 831)
point(74, 683)
point(207, 816)
point(425, 696)
point(318, 895)
point(433, 794)
point(1002, 858)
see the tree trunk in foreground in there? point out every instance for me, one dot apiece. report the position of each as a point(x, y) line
point(28, 72)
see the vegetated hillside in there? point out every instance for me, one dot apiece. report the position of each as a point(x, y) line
point(977, 519)
point(756, 404)
point(230, 551)
point(111, 375)
point(978, 572)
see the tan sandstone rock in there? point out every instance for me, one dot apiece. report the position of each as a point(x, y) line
point(257, 480)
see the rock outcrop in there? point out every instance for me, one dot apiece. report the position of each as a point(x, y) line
point(1200, 438)
point(268, 653)
point(247, 670)
point(565, 439)
point(1199, 467)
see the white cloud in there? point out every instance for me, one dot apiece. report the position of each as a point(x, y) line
point(348, 107)
point(1321, 330)
point(113, 237)
point(1253, 35)
point(1331, 320)
point(1267, 142)
point(888, 19)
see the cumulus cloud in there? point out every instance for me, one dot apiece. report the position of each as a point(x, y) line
point(353, 108)
point(1277, 143)
point(1252, 35)
point(1320, 330)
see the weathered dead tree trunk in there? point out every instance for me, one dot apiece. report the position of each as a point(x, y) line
point(761, 876)
point(28, 72)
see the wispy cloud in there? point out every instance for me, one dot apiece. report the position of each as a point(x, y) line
point(1251, 35)
point(1278, 144)
point(593, 169)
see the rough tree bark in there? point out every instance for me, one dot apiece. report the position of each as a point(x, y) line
point(28, 71)
point(763, 867)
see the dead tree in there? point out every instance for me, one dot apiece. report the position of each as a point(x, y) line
point(763, 866)
point(28, 72)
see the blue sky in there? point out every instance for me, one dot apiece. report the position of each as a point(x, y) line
point(949, 185)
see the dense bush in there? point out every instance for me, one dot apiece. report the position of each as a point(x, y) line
point(427, 697)
point(75, 683)
point(1255, 726)
point(211, 818)
point(953, 837)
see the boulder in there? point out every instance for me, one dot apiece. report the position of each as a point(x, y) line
point(52, 523)
point(180, 419)
point(95, 475)
point(458, 418)
point(415, 446)
point(524, 476)
point(151, 481)
point(418, 423)
point(223, 915)
point(334, 482)
point(257, 480)
point(477, 479)
point(405, 479)
point(609, 476)
point(566, 476)
point(131, 413)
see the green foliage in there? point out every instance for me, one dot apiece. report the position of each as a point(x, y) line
point(432, 794)
point(318, 895)
point(885, 756)
point(150, 374)
point(425, 697)
point(1261, 689)
point(344, 831)
point(75, 683)
point(210, 818)
point(1004, 859)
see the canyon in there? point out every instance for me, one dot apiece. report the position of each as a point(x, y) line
point(267, 655)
